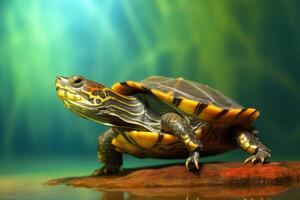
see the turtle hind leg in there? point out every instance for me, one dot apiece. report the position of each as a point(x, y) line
point(177, 125)
point(249, 142)
point(107, 154)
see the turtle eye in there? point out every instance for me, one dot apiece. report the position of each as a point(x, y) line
point(77, 81)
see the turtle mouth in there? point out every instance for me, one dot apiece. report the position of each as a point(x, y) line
point(64, 94)
point(79, 109)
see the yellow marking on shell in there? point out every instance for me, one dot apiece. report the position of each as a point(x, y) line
point(121, 89)
point(163, 96)
point(246, 114)
point(131, 84)
point(256, 115)
point(229, 116)
point(170, 93)
point(121, 143)
point(117, 87)
point(146, 140)
point(168, 139)
point(142, 138)
point(188, 106)
point(207, 114)
point(210, 112)
point(253, 117)
point(135, 84)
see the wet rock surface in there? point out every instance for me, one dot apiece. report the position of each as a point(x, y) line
point(231, 174)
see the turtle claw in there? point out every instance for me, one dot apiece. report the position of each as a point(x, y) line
point(193, 160)
point(260, 156)
point(187, 162)
point(106, 171)
point(196, 163)
point(247, 160)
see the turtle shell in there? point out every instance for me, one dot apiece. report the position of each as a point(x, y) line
point(193, 98)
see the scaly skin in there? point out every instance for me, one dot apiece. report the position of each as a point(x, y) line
point(249, 142)
point(174, 123)
point(108, 155)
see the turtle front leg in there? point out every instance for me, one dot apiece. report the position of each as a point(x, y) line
point(107, 154)
point(249, 142)
point(174, 123)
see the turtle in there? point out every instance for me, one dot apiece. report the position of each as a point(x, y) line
point(162, 117)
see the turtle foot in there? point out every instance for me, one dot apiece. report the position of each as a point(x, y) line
point(106, 171)
point(260, 156)
point(192, 162)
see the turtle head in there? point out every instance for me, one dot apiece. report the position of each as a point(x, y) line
point(82, 96)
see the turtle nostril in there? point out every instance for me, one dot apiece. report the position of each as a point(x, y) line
point(58, 81)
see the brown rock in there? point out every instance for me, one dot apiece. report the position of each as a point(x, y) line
point(230, 174)
point(229, 179)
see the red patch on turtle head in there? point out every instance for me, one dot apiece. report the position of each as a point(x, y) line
point(91, 86)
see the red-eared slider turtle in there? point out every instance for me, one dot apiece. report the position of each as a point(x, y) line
point(162, 117)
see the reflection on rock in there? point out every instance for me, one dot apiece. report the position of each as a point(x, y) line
point(109, 195)
point(206, 192)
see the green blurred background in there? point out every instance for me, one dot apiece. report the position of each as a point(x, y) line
point(247, 49)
